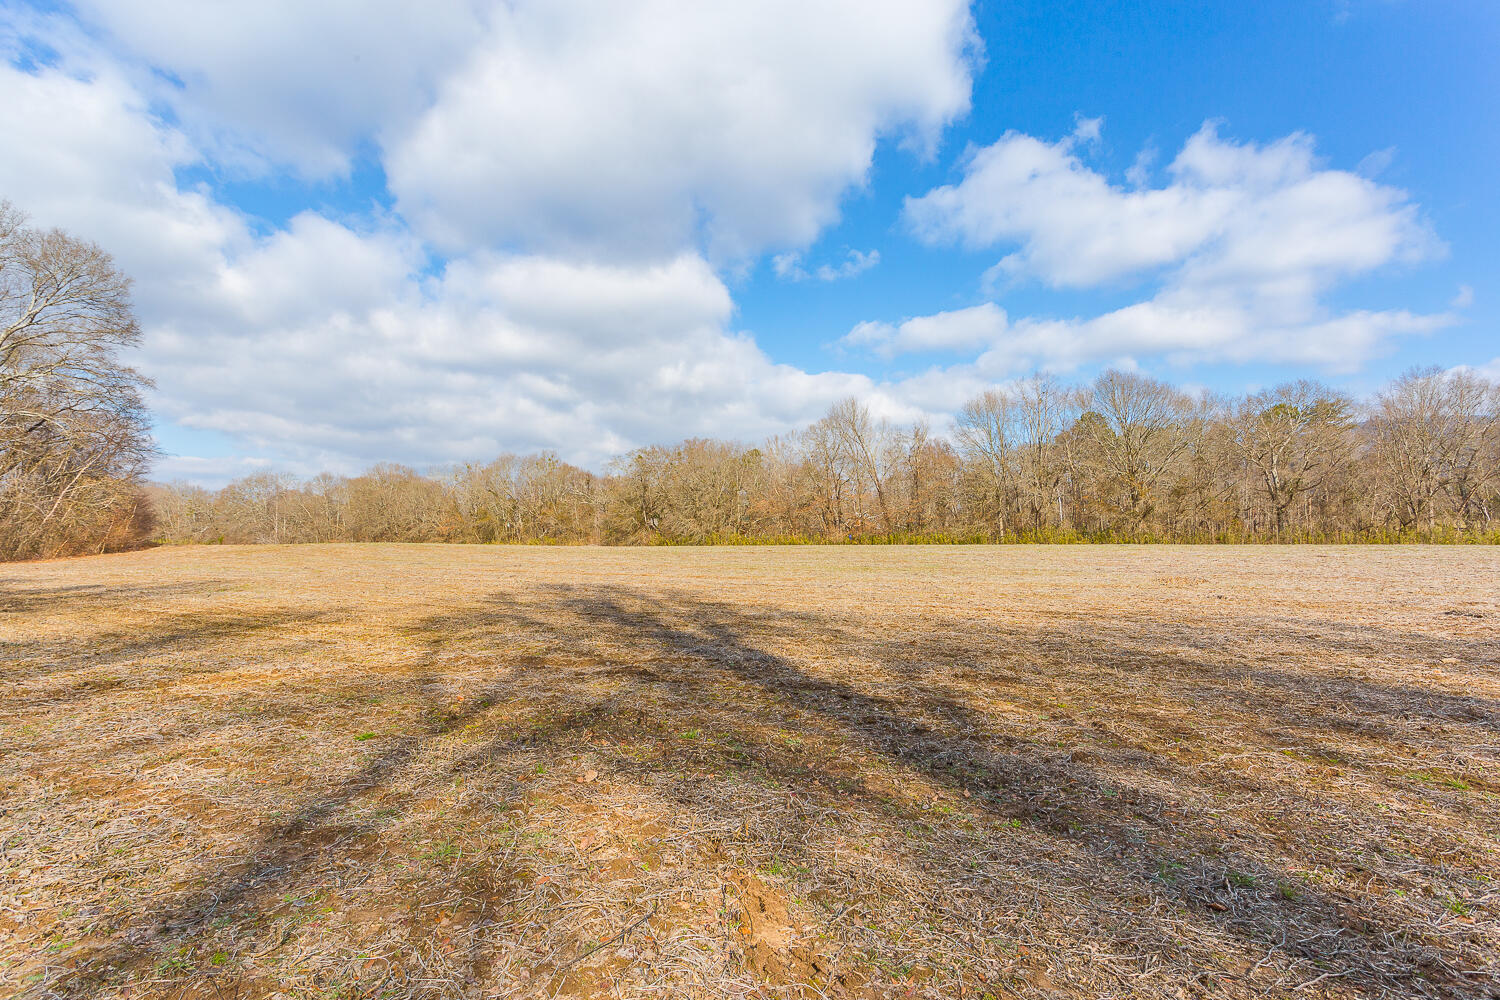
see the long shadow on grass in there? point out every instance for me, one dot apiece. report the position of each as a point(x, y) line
point(94, 597)
point(1147, 844)
point(276, 859)
point(73, 671)
point(684, 655)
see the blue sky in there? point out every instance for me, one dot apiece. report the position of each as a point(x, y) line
point(362, 234)
point(1420, 81)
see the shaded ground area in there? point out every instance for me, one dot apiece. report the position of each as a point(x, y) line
point(432, 771)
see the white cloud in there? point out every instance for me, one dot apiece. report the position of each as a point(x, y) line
point(325, 346)
point(1181, 335)
point(87, 157)
point(487, 358)
point(1139, 173)
point(957, 330)
point(213, 471)
point(1240, 248)
point(1464, 299)
point(855, 263)
point(287, 81)
point(560, 126)
point(1087, 130)
point(579, 310)
point(789, 266)
point(1376, 163)
point(1489, 370)
point(1231, 210)
point(638, 129)
point(591, 170)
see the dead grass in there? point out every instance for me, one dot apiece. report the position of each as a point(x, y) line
point(413, 771)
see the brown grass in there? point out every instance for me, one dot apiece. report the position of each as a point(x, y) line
point(413, 771)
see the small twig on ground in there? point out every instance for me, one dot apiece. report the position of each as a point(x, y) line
point(617, 939)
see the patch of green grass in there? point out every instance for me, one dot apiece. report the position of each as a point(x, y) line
point(1457, 784)
point(1241, 880)
point(1458, 907)
point(1288, 891)
point(367, 736)
point(447, 850)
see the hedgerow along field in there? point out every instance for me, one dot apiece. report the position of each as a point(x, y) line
point(452, 771)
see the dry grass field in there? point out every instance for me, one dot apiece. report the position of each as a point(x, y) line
point(444, 771)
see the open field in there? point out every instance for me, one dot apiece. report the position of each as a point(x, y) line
point(432, 771)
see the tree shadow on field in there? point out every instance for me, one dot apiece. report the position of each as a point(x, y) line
point(1088, 757)
point(83, 667)
point(95, 597)
point(312, 835)
point(896, 699)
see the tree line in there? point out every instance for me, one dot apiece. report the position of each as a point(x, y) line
point(1124, 457)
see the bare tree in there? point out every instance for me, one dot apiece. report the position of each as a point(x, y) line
point(1434, 441)
point(868, 445)
point(73, 429)
point(986, 432)
point(1143, 429)
point(1293, 438)
point(1127, 454)
point(1044, 409)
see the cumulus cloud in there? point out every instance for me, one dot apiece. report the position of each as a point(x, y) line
point(286, 82)
point(486, 358)
point(1240, 247)
point(571, 179)
point(957, 330)
point(577, 309)
point(1232, 210)
point(562, 126)
point(631, 129)
point(327, 345)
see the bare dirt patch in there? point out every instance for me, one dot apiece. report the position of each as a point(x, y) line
point(442, 771)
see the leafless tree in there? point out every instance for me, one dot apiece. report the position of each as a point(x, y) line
point(1293, 438)
point(1143, 429)
point(73, 430)
point(1126, 456)
point(986, 431)
point(1044, 409)
point(1434, 441)
point(867, 445)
